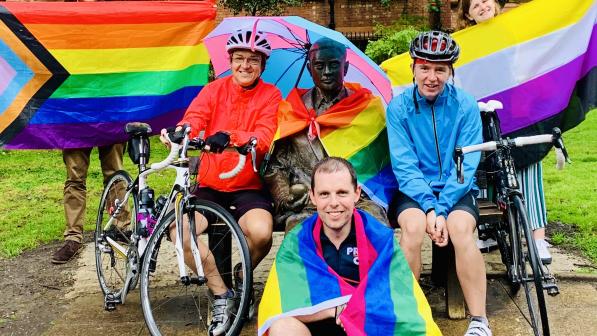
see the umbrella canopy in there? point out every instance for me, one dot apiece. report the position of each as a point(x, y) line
point(290, 38)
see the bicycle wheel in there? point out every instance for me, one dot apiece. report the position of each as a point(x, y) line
point(532, 274)
point(172, 307)
point(510, 248)
point(113, 257)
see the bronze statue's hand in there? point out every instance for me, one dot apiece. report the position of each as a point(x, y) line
point(298, 190)
point(298, 197)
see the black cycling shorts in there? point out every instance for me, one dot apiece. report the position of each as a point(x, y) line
point(237, 202)
point(327, 327)
point(401, 202)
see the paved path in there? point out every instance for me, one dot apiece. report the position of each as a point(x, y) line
point(573, 312)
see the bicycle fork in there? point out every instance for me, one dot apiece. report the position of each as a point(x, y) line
point(184, 276)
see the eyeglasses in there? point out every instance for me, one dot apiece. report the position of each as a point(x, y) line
point(253, 60)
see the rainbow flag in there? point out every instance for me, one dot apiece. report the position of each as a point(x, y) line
point(387, 301)
point(73, 74)
point(537, 59)
point(354, 129)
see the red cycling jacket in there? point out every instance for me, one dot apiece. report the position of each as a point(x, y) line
point(223, 105)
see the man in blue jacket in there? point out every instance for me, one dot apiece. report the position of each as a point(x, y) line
point(425, 123)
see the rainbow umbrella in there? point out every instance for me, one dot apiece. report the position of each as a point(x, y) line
point(291, 37)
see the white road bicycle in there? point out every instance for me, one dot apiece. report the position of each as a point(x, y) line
point(132, 240)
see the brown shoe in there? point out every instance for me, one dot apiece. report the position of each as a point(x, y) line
point(66, 252)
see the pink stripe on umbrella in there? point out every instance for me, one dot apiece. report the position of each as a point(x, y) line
point(7, 73)
point(376, 77)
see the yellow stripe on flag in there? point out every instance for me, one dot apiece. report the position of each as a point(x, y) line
point(364, 129)
point(424, 310)
point(271, 304)
point(94, 61)
point(527, 22)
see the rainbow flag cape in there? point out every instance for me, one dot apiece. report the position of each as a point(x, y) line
point(388, 300)
point(73, 74)
point(354, 129)
point(537, 59)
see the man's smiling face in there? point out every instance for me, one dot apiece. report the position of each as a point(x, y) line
point(431, 78)
point(335, 197)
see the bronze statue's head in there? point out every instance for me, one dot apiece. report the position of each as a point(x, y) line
point(328, 65)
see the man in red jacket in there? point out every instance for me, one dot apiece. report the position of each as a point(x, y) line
point(231, 110)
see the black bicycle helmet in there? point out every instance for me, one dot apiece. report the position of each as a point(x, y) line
point(434, 46)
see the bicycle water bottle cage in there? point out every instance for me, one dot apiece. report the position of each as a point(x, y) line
point(138, 144)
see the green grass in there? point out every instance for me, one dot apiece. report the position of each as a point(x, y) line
point(571, 194)
point(31, 184)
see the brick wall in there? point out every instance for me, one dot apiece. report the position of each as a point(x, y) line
point(360, 15)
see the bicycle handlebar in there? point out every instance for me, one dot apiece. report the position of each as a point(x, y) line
point(555, 138)
point(174, 148)
point(180, 139)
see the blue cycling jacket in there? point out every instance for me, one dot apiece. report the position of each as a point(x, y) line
point(422, 145)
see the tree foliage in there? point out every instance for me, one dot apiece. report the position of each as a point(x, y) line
point(259, 7)
point(395, 39)
point(391, 45)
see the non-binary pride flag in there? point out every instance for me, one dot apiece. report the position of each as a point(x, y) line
point(538, 59)
point(73, 74)
point(387, 300)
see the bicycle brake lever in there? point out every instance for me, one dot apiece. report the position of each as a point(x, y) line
point(178, 136)
point(558, 142)
point(254, 154)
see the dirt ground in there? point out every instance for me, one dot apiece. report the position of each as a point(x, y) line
point(33, 291)
point(41, 298)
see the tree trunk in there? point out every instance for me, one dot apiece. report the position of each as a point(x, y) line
point(435, 20)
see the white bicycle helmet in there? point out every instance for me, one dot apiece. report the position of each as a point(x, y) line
point(434, 46)
point(241, 39)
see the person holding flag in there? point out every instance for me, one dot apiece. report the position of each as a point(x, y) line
point(341, 271)
point(530, 177)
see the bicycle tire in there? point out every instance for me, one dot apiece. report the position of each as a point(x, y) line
point(113, 267)
point(510, 244)
point(532, 283)
point(171, 307)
